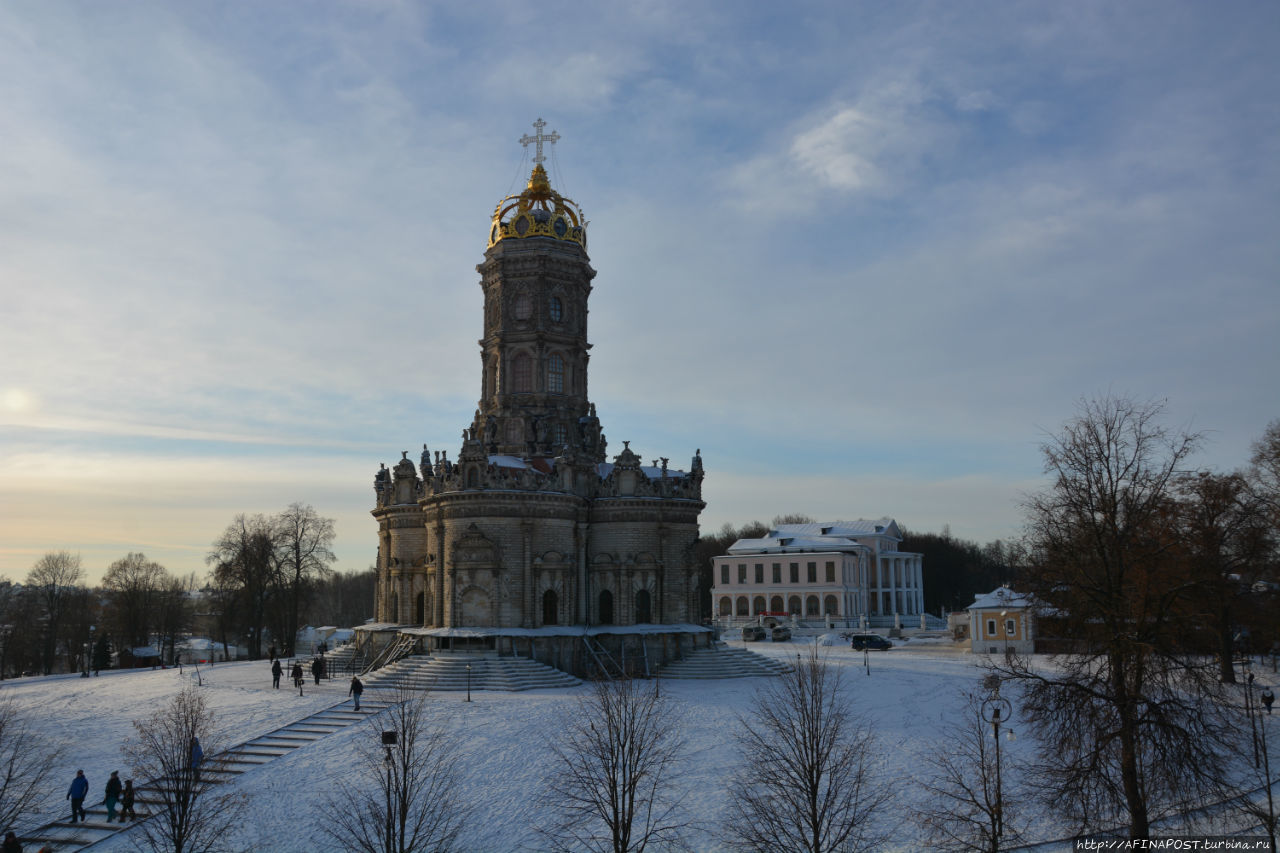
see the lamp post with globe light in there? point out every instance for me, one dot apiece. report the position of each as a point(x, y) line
point(995, 708)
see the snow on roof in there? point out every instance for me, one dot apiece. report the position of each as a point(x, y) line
point(606, 468)
point(559, 630)
point(781, 544)
point(1001, 598)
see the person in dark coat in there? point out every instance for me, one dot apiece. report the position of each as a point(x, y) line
point(11, 844)
point(296, 675)
point(356, 689)
point(126, 801)
point(1268, 698)
point(76, 794)
point(113, 795)
point(276, 671)
point(197, 754)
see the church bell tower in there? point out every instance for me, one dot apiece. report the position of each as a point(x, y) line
point(536, 278)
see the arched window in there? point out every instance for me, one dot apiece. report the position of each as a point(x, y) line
point(775, 604)
point(559, 435)
point(550, 608)
point(757, 605)
point(830, 606)
point(555, 374)
point(606, 607)
point(793, 605)
point(811, 606)
point(742, 606)
point(643, 610)
point(726, 606)
point(522, 373)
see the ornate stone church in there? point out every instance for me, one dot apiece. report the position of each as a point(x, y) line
point(533, 525)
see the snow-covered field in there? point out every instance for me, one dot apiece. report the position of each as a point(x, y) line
point(912, 694)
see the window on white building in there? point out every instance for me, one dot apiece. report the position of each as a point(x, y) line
point(991, 628)
point(831, 572)
point(777, 572)
point(795, 573)
point(759, 572)
point(1009, 627)
point(724, 573)
point(742, 573)
point(813, 572)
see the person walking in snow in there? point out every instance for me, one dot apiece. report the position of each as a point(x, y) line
point(126, 801)
point(356, 689)
point(113, 795)
point(296, 675)
point(276, 671)
point(11, 844)
point(76, 794)
point(317, 668)
point(1268, 698)
point(197, 756)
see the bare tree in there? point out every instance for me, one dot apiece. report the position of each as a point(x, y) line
point(54, 578)
point(244, 561)
point(194, 815)
point(26, 760)
point(971, 807)
point(614, 786)
point(304, 541)
point(1130, 719)
point(1225, 541)
point(404, 796)
point(806, 781)
point(133, 584)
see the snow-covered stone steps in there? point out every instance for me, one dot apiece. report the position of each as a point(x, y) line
point(449, 672)
point(225, 768)
point(723, 662)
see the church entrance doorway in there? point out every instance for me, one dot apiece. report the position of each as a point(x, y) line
point(606, 607)
point(420, 609)
point(643, 610)
point(550, 608)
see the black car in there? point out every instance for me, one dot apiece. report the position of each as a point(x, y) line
point(780, 633)
point(870, 641)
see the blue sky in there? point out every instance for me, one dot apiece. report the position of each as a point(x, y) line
point(863, 255)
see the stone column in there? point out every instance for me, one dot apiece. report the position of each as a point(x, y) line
point(526, 574)
point(582, 617)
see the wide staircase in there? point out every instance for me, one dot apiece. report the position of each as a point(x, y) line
point(722, 661)
point(449, 672)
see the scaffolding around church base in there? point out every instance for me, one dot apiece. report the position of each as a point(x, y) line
point(586, 652)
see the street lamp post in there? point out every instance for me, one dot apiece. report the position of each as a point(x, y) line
point(1248, 709)
point(468, 682)
point(88, 650)
point(994, 709)
point(1266, 775)
point(388, 741)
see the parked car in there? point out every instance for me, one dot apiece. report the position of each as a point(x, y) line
point(780, 633)
point(752, 633)
point(870, 641)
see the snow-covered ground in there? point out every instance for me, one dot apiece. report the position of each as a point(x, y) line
point(913, 693)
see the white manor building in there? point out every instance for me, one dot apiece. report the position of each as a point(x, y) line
point(846, 571)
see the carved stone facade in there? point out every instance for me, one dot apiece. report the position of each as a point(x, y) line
point(531, 526)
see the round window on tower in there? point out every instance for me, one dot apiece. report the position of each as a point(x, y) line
point(557, 309)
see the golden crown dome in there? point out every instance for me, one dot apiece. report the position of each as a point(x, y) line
point(539, 211)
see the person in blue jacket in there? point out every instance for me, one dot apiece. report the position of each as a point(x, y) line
point(76, 794)
point(197, 755)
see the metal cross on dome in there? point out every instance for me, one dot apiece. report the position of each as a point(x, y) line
point(538, 138)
